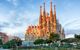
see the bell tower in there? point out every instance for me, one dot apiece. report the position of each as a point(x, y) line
point(44, 19)
point(40, 19)
point(54, 20)
point(51, 17)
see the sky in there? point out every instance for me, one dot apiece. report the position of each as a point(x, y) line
point(17, 15)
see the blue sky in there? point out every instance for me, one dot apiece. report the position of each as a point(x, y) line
point(16, 15)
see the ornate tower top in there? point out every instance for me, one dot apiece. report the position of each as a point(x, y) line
point(54, 9)
point(51, 10)
point(40, 19)
point(44, 12)
point(40, 10)
point(50, 5)
point(54, 19)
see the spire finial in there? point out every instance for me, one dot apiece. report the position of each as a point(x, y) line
point(50, 0)
point(44, 4)
point(44, 8)
point(40, 10)
point(54, 9)
point(50, 5)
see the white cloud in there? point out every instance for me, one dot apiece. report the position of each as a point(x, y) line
point(14, 2)
point(70, 36)
point(73, 24)
point(16, 31)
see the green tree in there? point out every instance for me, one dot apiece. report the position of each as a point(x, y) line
point(54, 37)
point(1, 43)
point(39, 41)
point(77, 37)
point(12, 43)
point(18, 42)
point(69, 40)
point(47, 41)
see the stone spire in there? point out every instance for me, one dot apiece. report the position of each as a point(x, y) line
point(54, 9)
point(40, 10)
point(51, 17)
point(44, 9)
point(44, 18)
point(44, 13)
point(54, 19)
point(51, 11)
point(40, 19)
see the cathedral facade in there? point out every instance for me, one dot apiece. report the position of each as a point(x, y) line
point(47, 24)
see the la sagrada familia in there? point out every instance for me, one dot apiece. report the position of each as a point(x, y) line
point(47, 24)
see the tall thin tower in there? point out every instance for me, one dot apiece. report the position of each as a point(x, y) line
point(44, 19)
point(51, 17)
point(54, 20)
point(41, 22)
point(40, 19)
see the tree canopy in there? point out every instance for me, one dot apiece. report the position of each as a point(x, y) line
point(54, 37)
point(77, 36)
point(39, 41)
point(1, 43)
point(12, 43)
